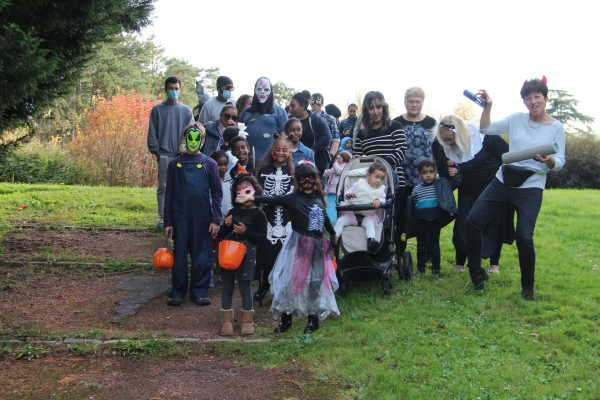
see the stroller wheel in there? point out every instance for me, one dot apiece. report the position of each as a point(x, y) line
point(407, 266)
point(386, 285)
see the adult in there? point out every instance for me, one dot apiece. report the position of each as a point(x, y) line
point(417, 128)
point(315, 131)
point(382, 137)
point(244, 101)
point(347, 125)
point(520, 184)
point(165, 129)
point(214, 130)
point(317, 105)
point(262, 118)
point(478, 157)
point(212, 109)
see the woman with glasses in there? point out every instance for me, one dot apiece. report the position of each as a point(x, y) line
point(214, 130)
point(263, 118)
point(477, 158)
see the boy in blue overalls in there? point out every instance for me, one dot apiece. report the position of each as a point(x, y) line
point(192, 183)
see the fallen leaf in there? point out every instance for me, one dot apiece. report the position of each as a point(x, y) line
point(175, 394)
point(75, 359)
point(21, 207)
point(447, 344)
point(68, 379)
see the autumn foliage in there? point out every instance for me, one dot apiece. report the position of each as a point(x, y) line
point(112, 145)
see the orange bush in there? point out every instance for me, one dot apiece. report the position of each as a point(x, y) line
point(113, 145)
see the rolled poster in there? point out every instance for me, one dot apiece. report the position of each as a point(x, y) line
point(529, 153)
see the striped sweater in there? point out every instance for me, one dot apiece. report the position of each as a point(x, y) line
point(390, 145)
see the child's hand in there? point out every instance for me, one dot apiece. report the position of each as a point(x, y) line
point(229, 220)
point(213, 229)
point(242, 198)
point(168, 230)
point(334, 240)
point(351, 195)
point(239, 228)
point(376, 203)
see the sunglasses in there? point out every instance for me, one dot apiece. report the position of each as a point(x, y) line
point(229, 87)
point(450, 127)
point(318, 101)
point(235, 118)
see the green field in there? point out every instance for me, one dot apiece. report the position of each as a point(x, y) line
point(432, 337)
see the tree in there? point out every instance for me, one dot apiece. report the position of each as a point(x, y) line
point(282, 94)
point(563, 107)
point(466, 112)
point(208, 79)
point(47, 44)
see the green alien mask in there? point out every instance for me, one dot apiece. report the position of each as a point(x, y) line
point(193, 139)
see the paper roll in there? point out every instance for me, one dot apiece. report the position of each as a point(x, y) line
point(528, 154)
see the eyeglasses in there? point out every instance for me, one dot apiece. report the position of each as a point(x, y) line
point(235, 118)
point(415, 102)
point(318, 101)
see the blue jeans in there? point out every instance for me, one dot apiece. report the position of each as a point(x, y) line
point(495, 198)
point(428, 239)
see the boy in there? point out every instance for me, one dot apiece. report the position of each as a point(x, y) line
point(433, 207)
point(192, 184)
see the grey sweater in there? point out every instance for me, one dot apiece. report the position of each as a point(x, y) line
point(165, 129)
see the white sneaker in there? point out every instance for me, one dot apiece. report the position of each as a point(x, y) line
point(159, 224)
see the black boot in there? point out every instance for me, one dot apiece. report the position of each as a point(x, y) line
point(478, 277)
point(285, 324)
point(261, 292)
point(313, 324)
point(527, 293)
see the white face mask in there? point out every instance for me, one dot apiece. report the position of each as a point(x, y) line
point(262, 90)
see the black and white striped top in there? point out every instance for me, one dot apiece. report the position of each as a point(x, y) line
point(389, 145)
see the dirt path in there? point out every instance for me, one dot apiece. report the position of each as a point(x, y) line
point(52, 303)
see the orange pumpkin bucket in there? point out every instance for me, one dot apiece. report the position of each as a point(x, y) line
point(231, 254)
point(164, 258)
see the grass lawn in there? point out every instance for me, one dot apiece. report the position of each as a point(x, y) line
point(432, 337)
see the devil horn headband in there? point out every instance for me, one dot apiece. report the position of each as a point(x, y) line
point(544, 80)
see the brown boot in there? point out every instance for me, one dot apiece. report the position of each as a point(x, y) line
point(247, 322)
point(227, 317)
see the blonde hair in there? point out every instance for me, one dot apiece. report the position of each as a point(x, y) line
point(462, 136)
point(415, 91)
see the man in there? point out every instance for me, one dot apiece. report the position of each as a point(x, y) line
point(417, 126)
point(317, 104)
point(165, 130)
point(212, 109)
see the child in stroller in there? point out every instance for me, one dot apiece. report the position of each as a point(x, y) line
point(369, 190)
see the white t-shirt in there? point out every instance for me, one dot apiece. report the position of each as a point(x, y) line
point(211, 111)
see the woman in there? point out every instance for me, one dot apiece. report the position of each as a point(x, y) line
point(244, 101)
point(214, 130)
point(380, 136)
point(347, 125)
point(520, 184)
point(262, 119)
point(478, 159)
point(315, 132)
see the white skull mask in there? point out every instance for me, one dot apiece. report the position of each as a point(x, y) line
point(262, 90)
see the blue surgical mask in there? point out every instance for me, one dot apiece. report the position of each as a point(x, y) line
point(173, 95)
point(226, 94)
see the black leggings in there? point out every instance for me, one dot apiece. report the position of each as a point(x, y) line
point(227, 293)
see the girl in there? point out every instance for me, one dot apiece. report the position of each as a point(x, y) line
point(228, 135)
point(293, 130)
point(240, 150)
point(222, 161)
point(249, 224)
point(276, 175)
point(303, 279)
point(333, 177)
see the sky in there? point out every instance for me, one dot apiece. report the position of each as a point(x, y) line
point(338, 48)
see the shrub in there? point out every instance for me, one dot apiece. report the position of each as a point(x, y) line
point(113, 145)
point(582, 163)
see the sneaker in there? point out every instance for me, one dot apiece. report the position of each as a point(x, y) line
point(174, 302)
point(528, 294)
point(478, 277)
point(494, 269)
point(435, 272)
point(459, 268)
point(160, 223)
point(372, 245)
point(202, 301)
point(212, 280)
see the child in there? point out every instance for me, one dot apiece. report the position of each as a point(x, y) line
point(228, 135)
point(432, 201)
point(333, 177)
point(303, 279)
point(222, 161)
point(193, 213)
point(276, 175)
point(346, 144)
point(249, 225)
point(366, 191)
point(240, 149)
point(293, 130)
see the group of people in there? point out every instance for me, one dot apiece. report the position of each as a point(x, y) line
point(264, 186)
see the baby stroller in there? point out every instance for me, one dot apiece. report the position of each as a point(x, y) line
point(354, 260)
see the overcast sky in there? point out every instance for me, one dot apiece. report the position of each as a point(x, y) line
point(340, 47)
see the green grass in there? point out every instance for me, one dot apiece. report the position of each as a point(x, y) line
point(432, 337)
